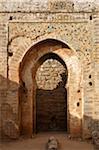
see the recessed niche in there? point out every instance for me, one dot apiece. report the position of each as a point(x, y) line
point(11, 17)
point(91, 17)
point(90, 76)
point(10, 54)
point(78, 91)
point(78, 104)
point(90, 83)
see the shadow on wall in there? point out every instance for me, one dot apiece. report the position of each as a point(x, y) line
point(10, 118)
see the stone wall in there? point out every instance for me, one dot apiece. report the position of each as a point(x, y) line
point(49, 74)
point(48, 5)
point(25, 23)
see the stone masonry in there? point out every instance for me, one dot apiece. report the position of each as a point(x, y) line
point(33, 33)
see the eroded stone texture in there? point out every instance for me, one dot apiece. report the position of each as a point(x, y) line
point(52, 144)
point(11, 129)
point(29, 30)
point(48, 5)
point(95, 137)
point(49, 74)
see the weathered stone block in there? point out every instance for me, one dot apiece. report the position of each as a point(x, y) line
point(11, 129)
point(95, 137)
point(52, 144)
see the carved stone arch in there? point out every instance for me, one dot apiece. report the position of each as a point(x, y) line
point(21, 45)
point(47, 56)
point(74, 89)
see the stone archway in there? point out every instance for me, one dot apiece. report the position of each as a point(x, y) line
point(51, 94)
point(27, 94)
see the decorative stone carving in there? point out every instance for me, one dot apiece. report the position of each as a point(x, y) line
point(31, 32)
point(62, 5)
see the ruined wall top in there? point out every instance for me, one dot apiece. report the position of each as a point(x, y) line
point(49, 5)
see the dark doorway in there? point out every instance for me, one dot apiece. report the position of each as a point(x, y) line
point(51, 95)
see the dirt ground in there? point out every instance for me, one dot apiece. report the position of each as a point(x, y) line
point(38, 142)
